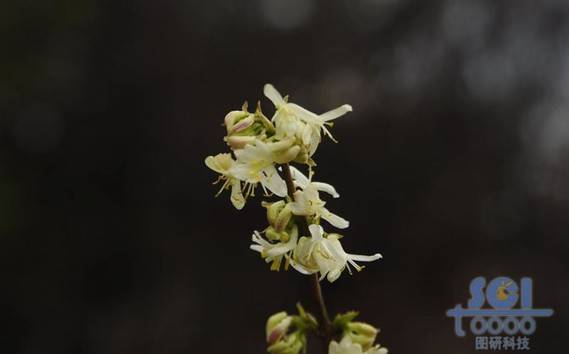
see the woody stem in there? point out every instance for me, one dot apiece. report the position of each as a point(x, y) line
point(326, 327)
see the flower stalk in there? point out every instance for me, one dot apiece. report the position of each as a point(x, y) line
point(325, 331)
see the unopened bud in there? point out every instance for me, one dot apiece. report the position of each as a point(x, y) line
point(277, 326)
point(271, 234)
point(290, 344)
point(361, 333)
point(233, 118)
point(287, 155)
point(278, 215)
point(241, 125)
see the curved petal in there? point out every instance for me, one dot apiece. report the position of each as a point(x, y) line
point(335, 248)
point(304, 114)
point(272, 94)
point(310, 134)
point(315, 140)
point(236, 195)
point(334, 219)
point(279, 145)
point(220, 163)
point(333, 275)
point(257, 238)
point(300, 268)
point(299, 177)
point(335, 113)
point(273, 181)
point(362, 258)
point(210, 162)
point(257, 248)
point(280, 249)
point(316, 231)
point(287, 156)
point(328, 188)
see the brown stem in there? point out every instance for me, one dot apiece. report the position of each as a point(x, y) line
point(288, 179)
point(326, 325)
point(323, 309)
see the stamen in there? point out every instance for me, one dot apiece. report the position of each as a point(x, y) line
point(224, 186)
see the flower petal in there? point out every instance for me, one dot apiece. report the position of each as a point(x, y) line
point(316, 231)
point(300, 268)
point(335, 113)
point(236, 195)
point(328, 188)
point(220, 163)
point(334, 219)
point(299, 177)
point(272, 94)
point(304, 114)
point(362, 258)
point(273, 181)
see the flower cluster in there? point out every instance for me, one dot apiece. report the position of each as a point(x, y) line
point(262, 150)
point(286, 334)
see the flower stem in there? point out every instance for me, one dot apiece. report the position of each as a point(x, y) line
point(323, 309)
point(288, 179)
point(325, 330)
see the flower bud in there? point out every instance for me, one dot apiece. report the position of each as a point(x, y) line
point(290, 344)
point(273, 210)
point(242, 125)
point(278, 215)
point(361, 333)
point(233, 117)
point(287, 155)
point(277, 326)
point(271, 234)
point(285, 150)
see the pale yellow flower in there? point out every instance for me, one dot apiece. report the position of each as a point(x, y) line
point(275, 252)
point(255, 164)
point(292, 120)
point(223, 164)
point(325, 254)
point(307, 201)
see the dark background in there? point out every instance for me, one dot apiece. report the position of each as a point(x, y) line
point(454, 164)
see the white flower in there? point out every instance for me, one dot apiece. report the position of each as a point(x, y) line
point(346, 346)
point(300, 180)
point(255, 164)
point(275, 252)
point(325, 255)
point(307, 201)
point(223, 164)
point(293, 120)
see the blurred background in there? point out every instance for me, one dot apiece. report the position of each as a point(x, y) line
point(454, 164)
